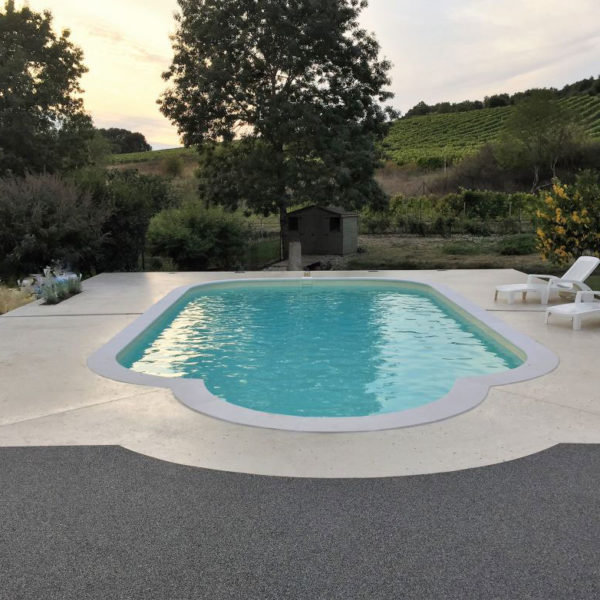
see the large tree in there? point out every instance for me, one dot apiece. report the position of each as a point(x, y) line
point(123, 141)
point(43, 126)
point(285, 99)
point(540, 133)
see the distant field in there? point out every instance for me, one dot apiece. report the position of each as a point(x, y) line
point(433, 140)
point(152, 156)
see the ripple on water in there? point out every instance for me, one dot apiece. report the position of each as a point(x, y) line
point(323, 350)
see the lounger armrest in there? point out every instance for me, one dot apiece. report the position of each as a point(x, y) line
point(572, 283)
point(549, 278)
point(586, 296)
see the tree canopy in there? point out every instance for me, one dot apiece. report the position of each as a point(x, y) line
point(293, 90)
point(539, 133)
point(43, 126)
point(123, 141)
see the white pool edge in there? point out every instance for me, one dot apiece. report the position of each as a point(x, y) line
point(466, 394)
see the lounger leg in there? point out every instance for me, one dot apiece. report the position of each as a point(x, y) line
point(576, 323)
point(547, 317)
point(545, 297)
point(496, 296)
point(524, 296)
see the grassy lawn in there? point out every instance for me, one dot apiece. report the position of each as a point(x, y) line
point(11, 299)
point(460, 252)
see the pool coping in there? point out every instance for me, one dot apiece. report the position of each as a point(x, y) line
point(466, 394)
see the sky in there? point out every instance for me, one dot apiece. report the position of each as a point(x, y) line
point(441, 50)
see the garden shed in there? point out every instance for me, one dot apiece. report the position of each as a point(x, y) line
point(324, 230)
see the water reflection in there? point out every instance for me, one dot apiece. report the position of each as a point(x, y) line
point(323, 350)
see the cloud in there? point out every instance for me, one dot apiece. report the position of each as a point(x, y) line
point(458, 49)
point(127, 46)
point(530, 61)
point(105, 32)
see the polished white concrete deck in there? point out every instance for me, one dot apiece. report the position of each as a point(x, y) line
point(48, 396)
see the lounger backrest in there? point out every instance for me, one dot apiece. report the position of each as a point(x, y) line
point(583, 267)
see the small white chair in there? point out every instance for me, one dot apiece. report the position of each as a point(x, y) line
point(585, 304)
point(547, 285)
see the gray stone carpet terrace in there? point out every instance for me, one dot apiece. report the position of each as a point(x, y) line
point(103, 522)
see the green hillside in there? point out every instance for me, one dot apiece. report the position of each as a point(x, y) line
point(437, 139)
point(153, 156)
point(429, 141)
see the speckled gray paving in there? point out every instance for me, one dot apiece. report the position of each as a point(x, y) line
point(105, 523)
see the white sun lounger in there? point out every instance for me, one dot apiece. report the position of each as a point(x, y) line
point(547, 285)
point(585, 304)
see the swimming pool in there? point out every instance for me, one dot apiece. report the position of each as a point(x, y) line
point(322, 354)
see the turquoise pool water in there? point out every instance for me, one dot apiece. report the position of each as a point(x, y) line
point(326, 349)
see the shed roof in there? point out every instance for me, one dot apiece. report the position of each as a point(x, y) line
point(336, 210)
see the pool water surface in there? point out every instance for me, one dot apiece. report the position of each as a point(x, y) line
point(319, 348)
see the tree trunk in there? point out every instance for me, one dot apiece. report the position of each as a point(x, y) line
point(283, 235)
point(282, 191)
point(553, 167)
point(536, 179)
point(143, 251)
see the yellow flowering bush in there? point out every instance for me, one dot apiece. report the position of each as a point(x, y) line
point(569, 219)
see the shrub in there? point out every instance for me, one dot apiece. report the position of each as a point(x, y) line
point(50, 294)
point(478, 212)
point(416, 226)
point(160, 263)
point(430, 163)
point(73, 286)
point(45, 219)
point(569, 219)
point(483, 204)
point(56, 289)
point(375, 221)
point(421, 208)
point(475, 227)
point(197, 238)
point(172, 165)
point(524, 205)
point(131, 200)
point(508, 226)
point(442, 226)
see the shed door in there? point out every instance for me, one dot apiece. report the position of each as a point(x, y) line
point(330, 234)
point(322, 234)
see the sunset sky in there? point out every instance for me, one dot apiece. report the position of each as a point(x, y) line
point(441, 50)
